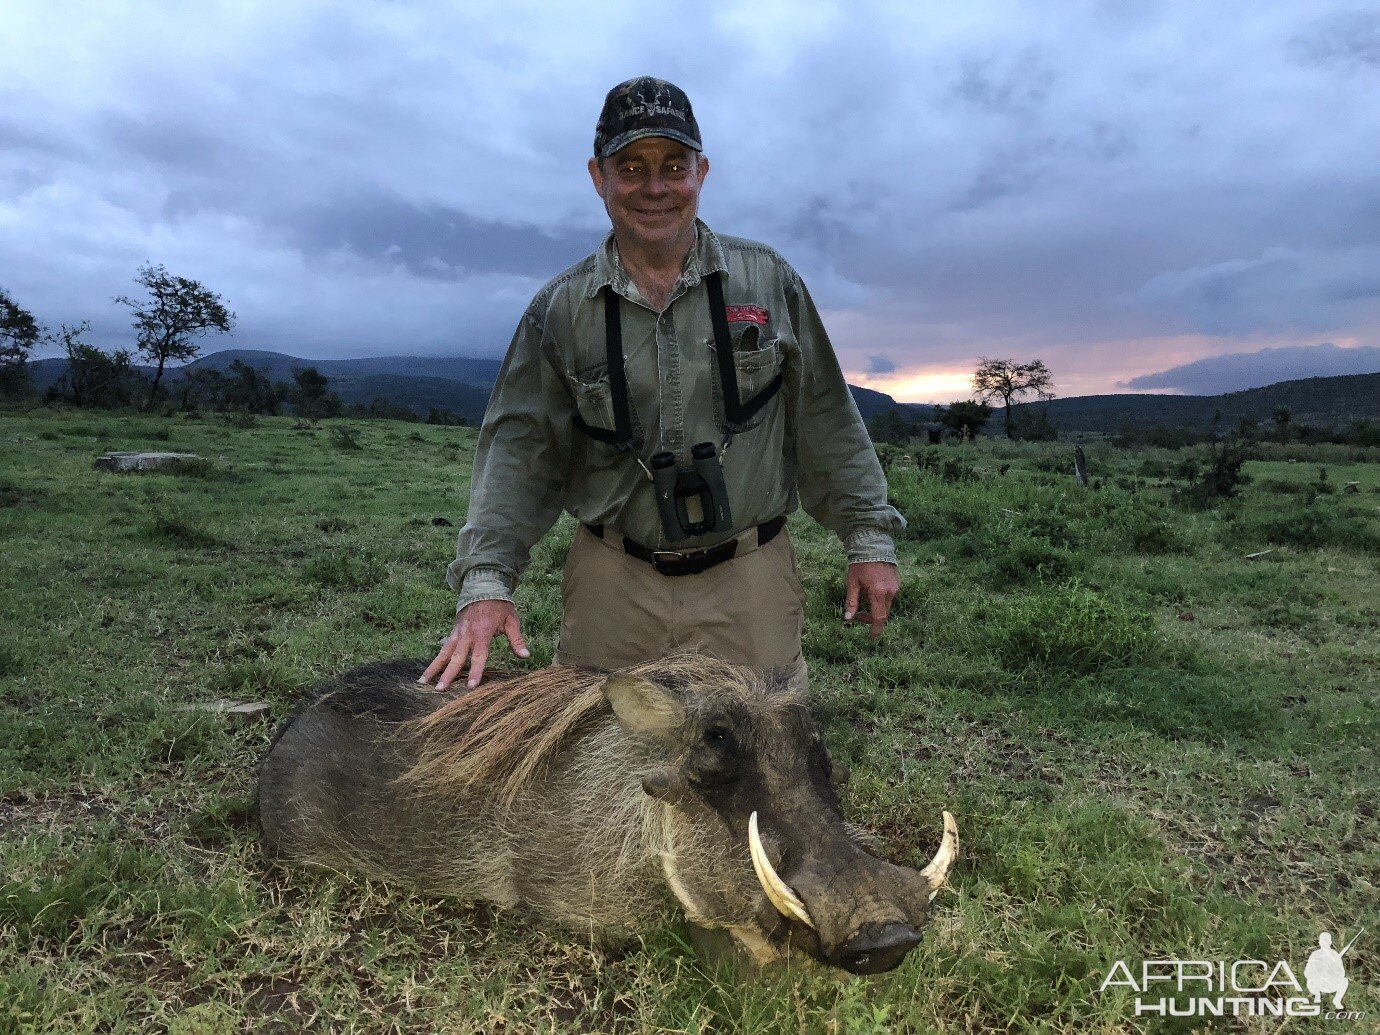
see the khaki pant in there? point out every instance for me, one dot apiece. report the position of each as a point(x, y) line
point(621, 611)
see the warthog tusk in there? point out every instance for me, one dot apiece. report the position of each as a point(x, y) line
point(786, 901)
point(937, 872)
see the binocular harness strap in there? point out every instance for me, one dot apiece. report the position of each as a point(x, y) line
point(736, 412)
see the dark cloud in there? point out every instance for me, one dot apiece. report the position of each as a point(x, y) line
point(1241, 370)
point(880, 365)
point(1284, 289)
point(433, 241)
point(1347, 38)
point(1009, 85)
point(169, 144)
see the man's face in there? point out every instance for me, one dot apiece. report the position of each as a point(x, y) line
point(651, 190)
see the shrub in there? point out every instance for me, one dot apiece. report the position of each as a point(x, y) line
point(203, 469)
point(10, 665)
point(50, 909)
point(1071, 628)
point(343, 571)
point(1216, 478)
point(1013, 557)
point(169, 525)
point(1308, 527)
point(1144, 528)
point(345, 437)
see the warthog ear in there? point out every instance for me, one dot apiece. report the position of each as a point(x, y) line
point(643, 708)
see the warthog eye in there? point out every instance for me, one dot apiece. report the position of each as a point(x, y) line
point(716, 762)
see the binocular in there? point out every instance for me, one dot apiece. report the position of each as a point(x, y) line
point(691, 500)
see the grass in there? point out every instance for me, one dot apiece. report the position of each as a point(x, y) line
point(1155, 747)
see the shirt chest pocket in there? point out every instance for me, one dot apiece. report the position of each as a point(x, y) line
point(756, 360)
point(593, 398)
point(595, 420)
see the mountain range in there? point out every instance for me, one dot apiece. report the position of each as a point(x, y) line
point(462, 384)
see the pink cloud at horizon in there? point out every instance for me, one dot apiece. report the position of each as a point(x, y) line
point(1079, 370)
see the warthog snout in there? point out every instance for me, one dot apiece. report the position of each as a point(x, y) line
point(877, 948)
point(864, 912)
point(601, 802)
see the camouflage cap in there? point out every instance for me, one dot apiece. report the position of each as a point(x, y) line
point(644, 107)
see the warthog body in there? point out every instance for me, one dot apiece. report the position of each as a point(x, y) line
point(601, 802)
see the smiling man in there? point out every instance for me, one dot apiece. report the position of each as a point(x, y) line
point(675, 392)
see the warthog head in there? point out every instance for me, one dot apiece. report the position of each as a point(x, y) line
point(757, 842)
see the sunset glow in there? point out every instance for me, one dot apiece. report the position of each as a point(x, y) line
point(920, 386)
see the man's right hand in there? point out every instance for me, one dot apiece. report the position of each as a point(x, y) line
point(475, 628)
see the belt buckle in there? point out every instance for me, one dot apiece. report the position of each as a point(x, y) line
point(658, 556)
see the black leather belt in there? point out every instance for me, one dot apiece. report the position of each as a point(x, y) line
point(678, 562)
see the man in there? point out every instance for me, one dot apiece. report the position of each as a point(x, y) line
point(675, 392)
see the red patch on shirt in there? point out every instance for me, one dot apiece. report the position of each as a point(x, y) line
point(746, 314)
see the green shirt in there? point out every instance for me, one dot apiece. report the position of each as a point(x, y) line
point(806, 447)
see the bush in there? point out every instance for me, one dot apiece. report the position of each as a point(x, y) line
point(1307, 527)
point(1071, 628)
point(1008, 557)
point(345, 437)
point(205, 470)
point(169, 525)
point(343, 571)
point(1215, 478)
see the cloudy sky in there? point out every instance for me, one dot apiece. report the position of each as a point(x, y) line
point(1125, 190)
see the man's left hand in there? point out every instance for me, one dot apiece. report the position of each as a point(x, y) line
point(878, 583)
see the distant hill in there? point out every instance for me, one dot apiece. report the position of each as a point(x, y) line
point(1321, 401)
point(419, 394)
point(279, 367)
point(870, 403)
point(462, 384)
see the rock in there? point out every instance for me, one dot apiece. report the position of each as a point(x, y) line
point(141, 461)
point(243, 713)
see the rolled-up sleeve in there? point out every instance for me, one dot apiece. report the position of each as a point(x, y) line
point(519, 469)
point(841, 481)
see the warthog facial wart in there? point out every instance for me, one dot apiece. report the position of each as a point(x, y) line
point(602, 802)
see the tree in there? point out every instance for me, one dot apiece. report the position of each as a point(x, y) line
point(966, 418)
point(248, 390)
point(201, 386)
point(890, 426)
point(1033, 427)
point(179, 311)
point(1007, 380)
point(309, 395)
point(93, 377)
point(446, 417)
point(1282, 419)
point(19, 332)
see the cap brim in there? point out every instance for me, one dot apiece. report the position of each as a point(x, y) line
point(624, 139)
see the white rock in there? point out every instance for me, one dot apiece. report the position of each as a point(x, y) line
point(141, 461)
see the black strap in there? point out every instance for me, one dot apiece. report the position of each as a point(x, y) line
point(618, 377)
point(736, 412)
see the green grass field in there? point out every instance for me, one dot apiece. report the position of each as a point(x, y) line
point(1155, 748)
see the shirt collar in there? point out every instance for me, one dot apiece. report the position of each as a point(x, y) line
point(706, 257)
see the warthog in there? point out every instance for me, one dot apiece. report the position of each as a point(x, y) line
point(601, 802)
